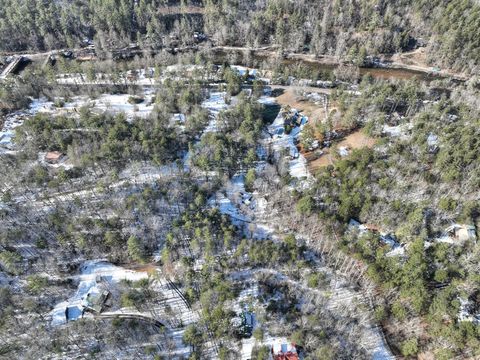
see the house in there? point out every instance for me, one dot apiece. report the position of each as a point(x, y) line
point(95, 299)
point(458, 234)
point(386, 238)
point(244, 324)
point(315, 144)
point(362, 228)
point(284, 351)
point(132, 75)
point(53, 157)
point(467, 311)
point(392, 242)
point(94, 302)
point(372, 227)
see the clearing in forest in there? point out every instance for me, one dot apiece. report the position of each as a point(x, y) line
point(355, 140)
point(293, 98)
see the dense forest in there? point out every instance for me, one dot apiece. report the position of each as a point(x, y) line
point(442, 185)
point(341, 28)
point(331, 198)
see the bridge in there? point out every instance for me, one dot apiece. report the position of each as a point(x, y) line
point(17, 60)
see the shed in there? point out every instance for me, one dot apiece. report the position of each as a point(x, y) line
point(53, 157)
point(284, 351)
point(73, 312)
point(458, 234)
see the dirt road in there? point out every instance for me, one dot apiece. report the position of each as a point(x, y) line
point(396, 69)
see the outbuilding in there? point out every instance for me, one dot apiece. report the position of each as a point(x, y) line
point(54, 157)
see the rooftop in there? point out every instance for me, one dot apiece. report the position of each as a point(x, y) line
point(53, 156)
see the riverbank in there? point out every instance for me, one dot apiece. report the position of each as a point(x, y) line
point(394, 66)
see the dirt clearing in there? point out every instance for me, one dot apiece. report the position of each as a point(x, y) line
point(295, 99)
point(355, 140)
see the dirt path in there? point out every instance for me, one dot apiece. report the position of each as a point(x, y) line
point(303, 88)
point(399, 68)
point(185, 10)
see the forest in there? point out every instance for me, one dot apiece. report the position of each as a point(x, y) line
point(202, 200)
point(345, 29)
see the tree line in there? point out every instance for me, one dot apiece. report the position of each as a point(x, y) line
point(346, 29)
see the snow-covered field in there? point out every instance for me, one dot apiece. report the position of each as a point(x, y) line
point(114, 103)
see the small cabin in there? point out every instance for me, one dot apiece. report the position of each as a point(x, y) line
point(54, 157)
point(458, 234)
point(95, 299)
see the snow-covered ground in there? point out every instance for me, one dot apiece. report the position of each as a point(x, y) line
point(247, 300)
point(338, 298)
point(171, 309)
point(267, 100)
point(227, 201)
point(183, 68)
point(114, 103)
point(141, 77)
point(90, 273)
point(235, 201)
point(281, 141)
point(243, 207)
point(214, 104)
point(242, 70)
point(17, 118)
point(400, 131)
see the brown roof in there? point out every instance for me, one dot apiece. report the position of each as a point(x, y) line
point(372, 227)
point(53, 156)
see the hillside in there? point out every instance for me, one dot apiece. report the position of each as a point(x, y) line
point(345, 29)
